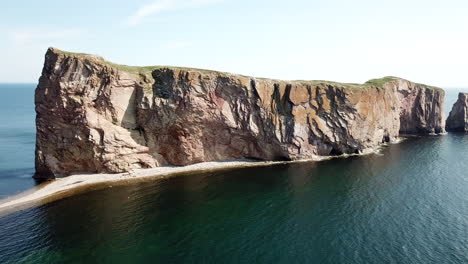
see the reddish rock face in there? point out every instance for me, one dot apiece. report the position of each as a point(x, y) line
point(458, 117)
point(95, 116)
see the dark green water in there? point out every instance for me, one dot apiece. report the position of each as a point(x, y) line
point(408, 205)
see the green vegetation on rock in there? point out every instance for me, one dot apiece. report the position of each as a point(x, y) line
point(381, 81)
point(145, 72)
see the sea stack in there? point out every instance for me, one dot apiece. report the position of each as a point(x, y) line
point(96, 116)
point(458, 117)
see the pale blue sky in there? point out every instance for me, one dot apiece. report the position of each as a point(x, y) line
point(348, 41)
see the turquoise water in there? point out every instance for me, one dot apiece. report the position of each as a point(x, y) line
point(408, 204)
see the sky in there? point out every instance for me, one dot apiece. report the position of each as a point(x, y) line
point(346, 41)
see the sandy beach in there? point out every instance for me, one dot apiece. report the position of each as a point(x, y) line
point(67, 186)
point(64, 187)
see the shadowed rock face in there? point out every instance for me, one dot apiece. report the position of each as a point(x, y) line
point(95, 116)
point(421, 109)
point(458, 117)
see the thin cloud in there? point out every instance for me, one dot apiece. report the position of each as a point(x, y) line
point(165, 5)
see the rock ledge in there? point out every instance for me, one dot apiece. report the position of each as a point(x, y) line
point(99, 117)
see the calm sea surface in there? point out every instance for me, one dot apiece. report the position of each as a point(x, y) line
point(17, 138)
point(408, 204)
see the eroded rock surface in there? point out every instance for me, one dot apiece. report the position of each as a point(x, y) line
point(458, 117)
point(95, 116)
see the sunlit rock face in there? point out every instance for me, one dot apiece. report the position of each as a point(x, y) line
point(95, 116)
point(458, 117)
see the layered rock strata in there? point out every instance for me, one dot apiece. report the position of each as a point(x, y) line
point(458, 117)
point(96, 116)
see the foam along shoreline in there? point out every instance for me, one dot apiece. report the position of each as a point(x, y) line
point(74, 184)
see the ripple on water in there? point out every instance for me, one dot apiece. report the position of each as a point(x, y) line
point(407, 206)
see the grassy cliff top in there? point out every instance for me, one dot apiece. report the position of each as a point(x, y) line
point(127, 68)
point(145, 70)
point(387, 79)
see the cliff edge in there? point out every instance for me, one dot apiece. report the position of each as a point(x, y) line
point(458, 117)
point(96, 116)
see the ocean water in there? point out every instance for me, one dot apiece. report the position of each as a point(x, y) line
point(17, 138)
point(408, 204)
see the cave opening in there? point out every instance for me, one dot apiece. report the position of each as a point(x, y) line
point(335, 152)
point(386, 139)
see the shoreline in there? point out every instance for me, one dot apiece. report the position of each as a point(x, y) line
point(60, 188)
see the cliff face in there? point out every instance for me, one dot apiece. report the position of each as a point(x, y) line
point(458, 117)
point(95, 116)
point(421, 109)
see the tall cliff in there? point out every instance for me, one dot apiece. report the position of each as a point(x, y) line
point(458, 117)
point(96, 116)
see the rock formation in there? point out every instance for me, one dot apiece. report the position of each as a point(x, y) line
point(458, 117)
point(96, 116)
